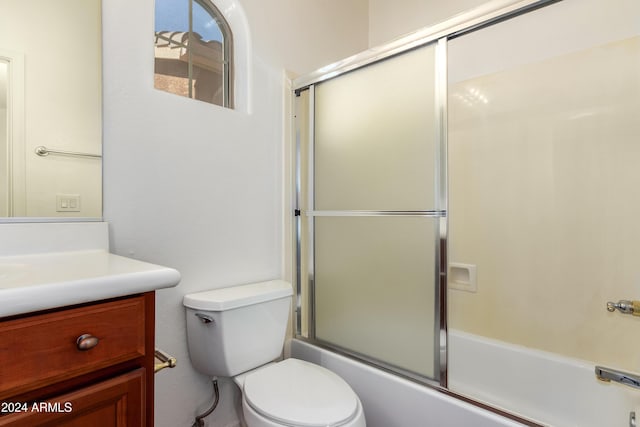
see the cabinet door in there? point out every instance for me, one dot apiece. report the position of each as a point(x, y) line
point(117, 402)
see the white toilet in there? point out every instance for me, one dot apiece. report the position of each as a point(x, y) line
point(238, 332)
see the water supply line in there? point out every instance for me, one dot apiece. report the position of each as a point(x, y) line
point(199, 422)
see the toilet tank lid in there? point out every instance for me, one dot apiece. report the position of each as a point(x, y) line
point(238, 296)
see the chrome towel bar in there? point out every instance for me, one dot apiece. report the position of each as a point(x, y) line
point(43, 151)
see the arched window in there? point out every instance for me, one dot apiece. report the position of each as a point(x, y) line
point(193, 51)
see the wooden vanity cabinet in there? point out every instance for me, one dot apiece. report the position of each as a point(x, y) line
point(86, 365)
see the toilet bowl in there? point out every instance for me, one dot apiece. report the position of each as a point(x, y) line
point(298, 393)
point(238, 332)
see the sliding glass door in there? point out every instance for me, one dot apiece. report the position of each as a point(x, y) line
point(370, 187)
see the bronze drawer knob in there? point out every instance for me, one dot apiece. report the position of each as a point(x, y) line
point(86, 342)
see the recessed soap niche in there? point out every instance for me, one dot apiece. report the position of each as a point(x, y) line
point(463, 277)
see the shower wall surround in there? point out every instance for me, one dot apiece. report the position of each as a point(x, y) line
point(543, 184)
point(543, 159)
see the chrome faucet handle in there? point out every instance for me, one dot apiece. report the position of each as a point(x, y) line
point(608, 374)
point(625, 307)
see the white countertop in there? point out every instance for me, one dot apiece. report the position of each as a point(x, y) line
point(35, 282)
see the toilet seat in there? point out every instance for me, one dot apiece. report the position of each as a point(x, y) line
point(295, 392)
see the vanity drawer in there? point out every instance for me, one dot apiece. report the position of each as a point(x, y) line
point(42, 349)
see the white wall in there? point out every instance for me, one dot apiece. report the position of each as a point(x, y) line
point(391, 19)
point(198, 187)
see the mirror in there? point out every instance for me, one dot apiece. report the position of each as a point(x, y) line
point(50, 109)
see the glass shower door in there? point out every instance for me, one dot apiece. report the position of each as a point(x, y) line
point(370, 217)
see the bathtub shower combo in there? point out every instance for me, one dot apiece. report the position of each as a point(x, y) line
point(466, 206)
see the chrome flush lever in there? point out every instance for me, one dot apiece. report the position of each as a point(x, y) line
point(608, 374)
point(205, 318)
point(625, 307)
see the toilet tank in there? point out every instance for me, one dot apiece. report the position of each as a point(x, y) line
point(236, 329)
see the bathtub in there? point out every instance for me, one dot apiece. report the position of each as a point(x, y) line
point(547, 388)
point(554, 390)
point(391, 401)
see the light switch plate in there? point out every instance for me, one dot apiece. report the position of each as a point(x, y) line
point(67, 203)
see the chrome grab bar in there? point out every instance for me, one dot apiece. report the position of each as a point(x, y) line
point(608, 374)
point(43, 151)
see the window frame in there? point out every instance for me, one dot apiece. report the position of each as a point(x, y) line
point(227, 48)
point(227, 62)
